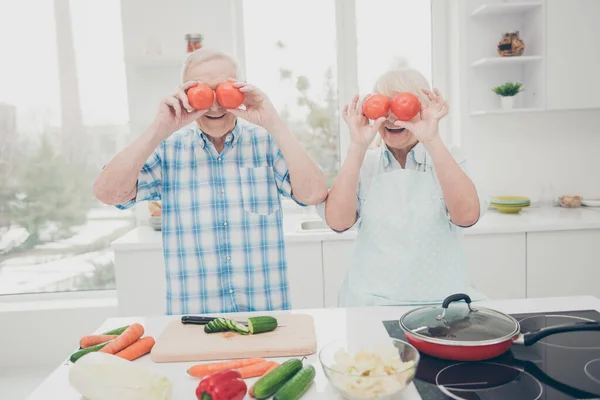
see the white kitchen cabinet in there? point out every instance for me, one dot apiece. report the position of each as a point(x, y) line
point(573, 54)
point(563, 263)
point(140, 278)
point(497, 263)
point(305, 274)
point(336, 258)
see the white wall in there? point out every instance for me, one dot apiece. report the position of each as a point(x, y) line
point(517, 153)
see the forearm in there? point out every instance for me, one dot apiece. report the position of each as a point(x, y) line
point(459, 191)
point(307, 180)
point(117, 182)
point(340, 208)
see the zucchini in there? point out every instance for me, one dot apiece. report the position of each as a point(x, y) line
point(261, 324)
point(117, 331)
point(298, 385)
point(80, 353)
point(269, 384)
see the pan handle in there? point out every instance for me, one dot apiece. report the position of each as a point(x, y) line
point(535, 336)
point(451, 299)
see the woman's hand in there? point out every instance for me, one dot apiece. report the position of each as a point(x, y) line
point(426, 129)
point(258, 108)
point(362, 132)
point(175, 112)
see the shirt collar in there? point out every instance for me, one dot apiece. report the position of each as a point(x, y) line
point(417, 154)
point(231, 138)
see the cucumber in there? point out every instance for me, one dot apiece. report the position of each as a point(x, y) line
point(80, 353)
point(261, 324)
point(298, 385)
point(117, 331)
point(269, 384)
point(230, 324)
point(241, 329)
point(222, 324)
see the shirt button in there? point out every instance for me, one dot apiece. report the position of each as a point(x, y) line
point(228, 258)
point(230, 291)
point(219, 159)
point(224, 223)
point(222, 190)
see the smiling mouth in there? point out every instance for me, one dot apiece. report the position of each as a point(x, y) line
point(214, 117)
point(395, 130)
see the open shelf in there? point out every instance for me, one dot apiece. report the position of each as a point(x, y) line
point(501, 111)
point(491, 61)
point(505, 8)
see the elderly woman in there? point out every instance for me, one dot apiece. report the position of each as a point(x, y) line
point(410, 196)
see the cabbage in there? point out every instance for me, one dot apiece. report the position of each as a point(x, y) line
point(102, 376)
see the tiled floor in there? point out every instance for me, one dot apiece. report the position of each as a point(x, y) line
point(18, 383)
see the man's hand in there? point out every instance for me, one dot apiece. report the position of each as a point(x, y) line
point(175, 111)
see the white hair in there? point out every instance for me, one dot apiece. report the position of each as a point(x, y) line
point(206, 54)
point(402, 79)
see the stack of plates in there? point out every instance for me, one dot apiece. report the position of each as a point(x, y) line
point(510, 204)
point(155, 223)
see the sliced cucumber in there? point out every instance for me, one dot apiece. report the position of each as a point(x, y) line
point(261, 324)
point(298, 385)
point(241, 329)
point(231, 324)
point(222, 324)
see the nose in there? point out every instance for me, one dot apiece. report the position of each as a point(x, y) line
point(215, 106)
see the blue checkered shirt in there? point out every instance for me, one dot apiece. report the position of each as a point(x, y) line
point(221, 220)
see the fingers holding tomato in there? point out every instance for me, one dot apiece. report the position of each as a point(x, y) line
point(229, 96)
point(200, 97)
point(405, 106)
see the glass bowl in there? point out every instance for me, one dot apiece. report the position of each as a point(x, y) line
point(365, 371)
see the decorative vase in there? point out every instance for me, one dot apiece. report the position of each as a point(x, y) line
point(511, 45)
point(507, 102)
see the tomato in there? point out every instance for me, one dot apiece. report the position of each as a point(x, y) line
point(376, 106)
point(201, 96)
point(405, 106)
point(229, 96)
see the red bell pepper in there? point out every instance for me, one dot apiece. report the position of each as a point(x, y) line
point(224, 385)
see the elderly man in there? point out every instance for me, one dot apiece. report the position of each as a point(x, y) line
point(219, 181)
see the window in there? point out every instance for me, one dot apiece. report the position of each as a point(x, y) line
point(391, 34)
point(63, 113)
point(293, 60)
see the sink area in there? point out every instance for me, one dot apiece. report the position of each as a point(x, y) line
point(314, 225)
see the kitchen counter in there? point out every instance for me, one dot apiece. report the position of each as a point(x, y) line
point(330, 324)
point(533, 219)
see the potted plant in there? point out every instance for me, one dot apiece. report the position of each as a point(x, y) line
point(508, 91)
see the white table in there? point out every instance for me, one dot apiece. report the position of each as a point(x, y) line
point(330, 324)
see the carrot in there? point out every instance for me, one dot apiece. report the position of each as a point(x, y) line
point(125, 339)
point(92, 340)
point(254, 370)
point(202, 370)
point(138, 349)
point(271, 368)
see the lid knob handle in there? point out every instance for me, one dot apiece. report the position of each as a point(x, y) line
point(451, 299)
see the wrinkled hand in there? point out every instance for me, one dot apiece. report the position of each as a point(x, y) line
point(258, 108)
point(426, 129)
point(362, 132)
point(175, 112)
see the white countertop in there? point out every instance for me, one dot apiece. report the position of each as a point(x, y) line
point(531, 219)
point(330, 324)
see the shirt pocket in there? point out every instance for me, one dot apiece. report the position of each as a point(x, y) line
point(259, 190)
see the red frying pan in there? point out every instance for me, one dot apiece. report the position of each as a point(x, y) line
point(472, 334)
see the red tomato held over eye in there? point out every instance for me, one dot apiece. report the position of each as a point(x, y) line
point(229, 96)
point(201, 96)
point(405, 106)
point(376, 106)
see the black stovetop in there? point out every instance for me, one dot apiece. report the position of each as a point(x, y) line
point(559, 367)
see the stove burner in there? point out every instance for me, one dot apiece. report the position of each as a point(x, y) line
point(574, 340)
point(469, 381)
point(592, 370)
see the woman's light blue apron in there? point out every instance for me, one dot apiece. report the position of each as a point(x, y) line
point(405, 252)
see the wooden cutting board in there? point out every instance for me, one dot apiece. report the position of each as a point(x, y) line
point(179, 342)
